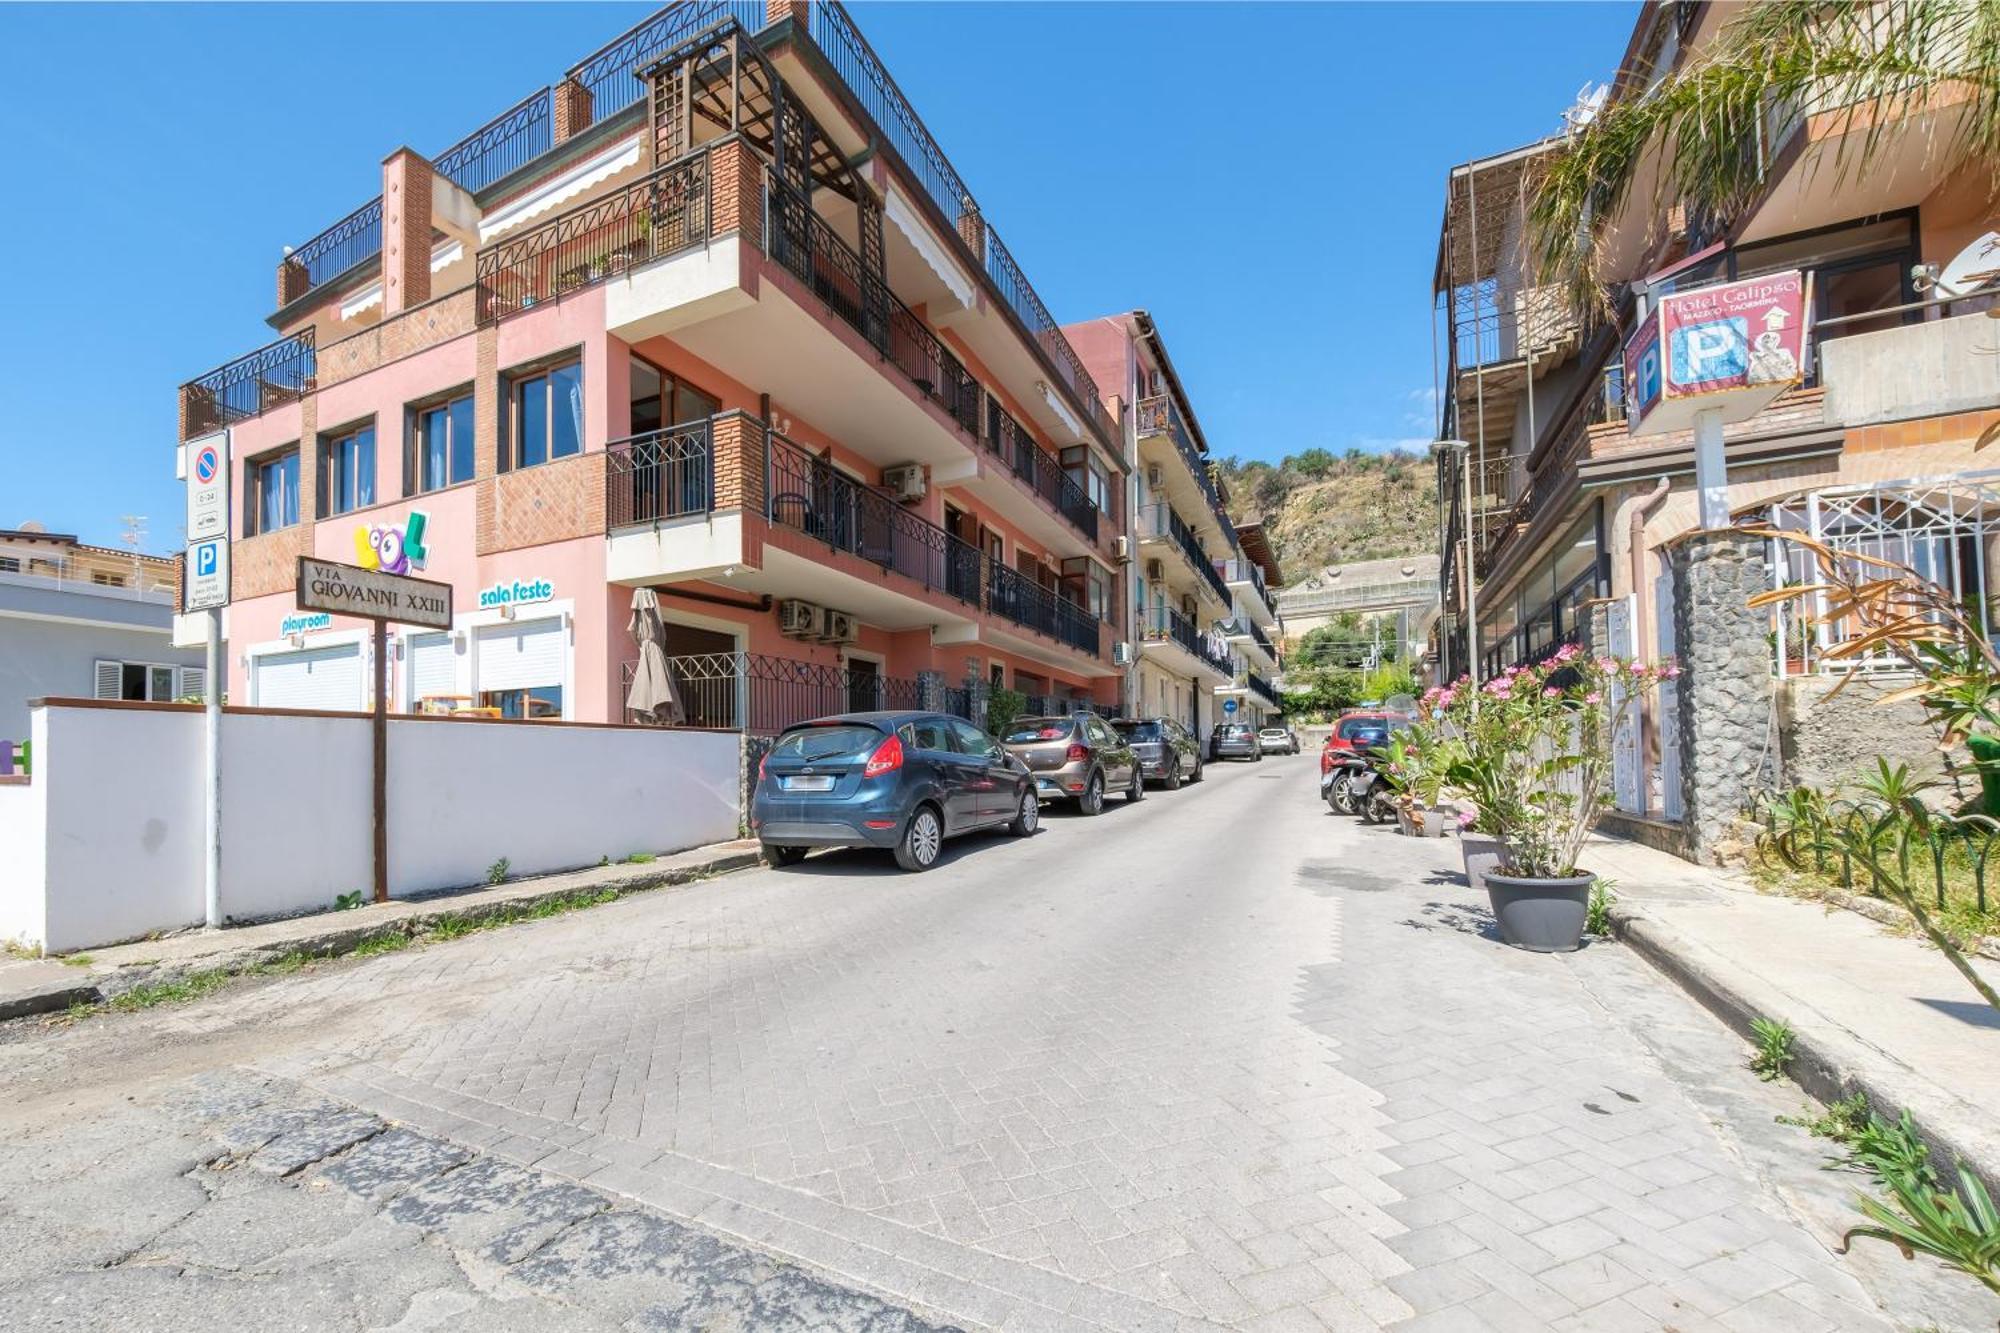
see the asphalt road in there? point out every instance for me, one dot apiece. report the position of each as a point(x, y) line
point(1217, 1058)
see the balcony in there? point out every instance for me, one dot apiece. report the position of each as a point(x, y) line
point(1246, 579)
point(675, 506)
point(1246, 635)
point(763, 694)
point(1933, 368)
point(1160, 524)
point(249, 386)
point(1262, 689)
point(1165, 630)
point(1157, 418)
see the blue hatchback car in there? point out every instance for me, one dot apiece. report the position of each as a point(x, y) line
point(900, 781)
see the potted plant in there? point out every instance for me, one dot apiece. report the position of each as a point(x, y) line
point(1463, 745)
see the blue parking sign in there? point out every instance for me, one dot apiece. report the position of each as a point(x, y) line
point(1717, 349)
point(207, 558)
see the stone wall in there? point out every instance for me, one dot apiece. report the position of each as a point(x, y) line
point(1829, 739)
point(1727, 729)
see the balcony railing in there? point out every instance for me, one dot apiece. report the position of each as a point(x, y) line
point(1246, 571)
point(834, 31)
point(502, 146)
point(1261, 639)
point(1014, 596)
point(1160, 521)
point(1157, 415)
point(1039, 470)
point(1163, 624)
point(763, 695)
point(354, 239)
point(1262, 689)
point(660, 214)
point(808, 494)
point(660, 475)
point(279, 372)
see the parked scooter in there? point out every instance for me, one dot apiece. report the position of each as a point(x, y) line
point(1343, 782)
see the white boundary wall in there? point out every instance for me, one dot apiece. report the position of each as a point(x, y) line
point(104, 844)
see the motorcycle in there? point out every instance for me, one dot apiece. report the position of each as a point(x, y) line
point(1341, 785)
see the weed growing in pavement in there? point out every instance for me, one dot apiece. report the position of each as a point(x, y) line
point(283, 965)
point(177, 990)
point(347, 902)
point(78, 960)
point(1597, 914)
point(388, 941)
point(640, 859)
point(497, 872)
point(1840, 1122)
point(1774, 1048)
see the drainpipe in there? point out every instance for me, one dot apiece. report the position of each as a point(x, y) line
point(1635, 542)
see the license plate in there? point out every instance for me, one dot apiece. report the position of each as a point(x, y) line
point(809, 782)
point(1043, 784)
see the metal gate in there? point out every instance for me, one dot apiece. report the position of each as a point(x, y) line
point(1667, 710)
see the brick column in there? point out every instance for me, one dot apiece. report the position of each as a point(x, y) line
point(293, 281)
point(1725, 683)
point(972, 230)
point(798, 11)
point(486, 407)
point(735, 193)
point(572, 111)
point(736, 453)
point(406, 232)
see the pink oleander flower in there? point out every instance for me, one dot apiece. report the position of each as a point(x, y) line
point(1670, 669)
point(1467, 818)
point(1593, 698)
point(1552, 693)
point(1569, 652)
point(1607, 664)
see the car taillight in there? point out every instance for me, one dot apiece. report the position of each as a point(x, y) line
point(888, 757)
point(760, 765)
point(1075, 752)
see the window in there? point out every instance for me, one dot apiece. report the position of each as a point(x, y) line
point(971, 740)
point(661, 398)
point(145, 681)
point(927, 734)
point(274, 492)
point(1097, 584)
point(9, 565)
point(347, 471)
point(441, 445)
point(545, 415)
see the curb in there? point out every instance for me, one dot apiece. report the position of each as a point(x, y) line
point(115, 981)
point(1822, 1074)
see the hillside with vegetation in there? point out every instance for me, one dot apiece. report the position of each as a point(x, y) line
point(1321, 508)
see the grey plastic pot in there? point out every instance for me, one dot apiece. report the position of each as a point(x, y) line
point(1482, 852)
point(1540, 915)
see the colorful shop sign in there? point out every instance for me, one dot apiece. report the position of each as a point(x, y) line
point(1732, 347)
point(516, 592)
point(392, 548)
point(305, 623)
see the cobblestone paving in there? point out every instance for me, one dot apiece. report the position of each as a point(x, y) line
point(1218, 1058)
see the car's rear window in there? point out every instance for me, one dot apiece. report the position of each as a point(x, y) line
point(1235, 729)
point(811, 743)
point(1272, 731)
point(1028, 729)
point(1139, 731)
point(1356, 726)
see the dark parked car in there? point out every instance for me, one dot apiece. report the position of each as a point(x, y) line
point(1168, 752)
point(1076, 758)
point(1234, 740)
point(902, 781)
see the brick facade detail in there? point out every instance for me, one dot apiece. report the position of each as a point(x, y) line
point(799, 11)
point(550, 502)
point(572, 110)
point(736, 191)
point(413, 331)
point(406, 232)
point(294, 281)
point(738, 448)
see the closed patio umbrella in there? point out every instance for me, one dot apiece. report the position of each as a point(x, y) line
point(653, 697)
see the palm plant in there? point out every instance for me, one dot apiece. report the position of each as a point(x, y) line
point(1700, 133)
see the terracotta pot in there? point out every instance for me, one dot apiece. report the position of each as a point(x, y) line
point(1540, 915)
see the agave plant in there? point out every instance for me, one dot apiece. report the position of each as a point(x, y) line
point(1960, 1227)
point(1700, 133)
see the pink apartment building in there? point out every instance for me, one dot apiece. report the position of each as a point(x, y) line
point(713, 315)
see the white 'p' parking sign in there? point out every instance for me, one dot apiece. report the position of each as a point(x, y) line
point(206, 578)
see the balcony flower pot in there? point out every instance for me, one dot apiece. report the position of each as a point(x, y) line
point(1540, 915)
point(1482, 852)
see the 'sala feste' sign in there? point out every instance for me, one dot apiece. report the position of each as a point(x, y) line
point(348, 590)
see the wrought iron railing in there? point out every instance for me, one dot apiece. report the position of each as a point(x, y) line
point(1246, 571)
point(834, 31)
point(659, 475)
point(1038, 469)
point(1263, 690)
point(1261, 639)
point(502, 146)
point(808, 494)
point(1057, 705)
point(1157, 415)
point(279, 372)
point(1160, 521)
point(610, 74)
point(1166, 625)
point(354, 239)
point(763, 695)
point(661, 213)
point(1014, 596)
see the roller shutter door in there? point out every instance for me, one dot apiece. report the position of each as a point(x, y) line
point(325, 678)
point(522, 654)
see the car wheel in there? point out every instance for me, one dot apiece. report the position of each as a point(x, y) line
point(1137, 791)
point(923, 838)
point(783, 856)
point(1092, 800)
point(1174, 775)
point(1027, 815)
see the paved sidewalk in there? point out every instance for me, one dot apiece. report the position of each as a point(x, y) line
point(1875, 1012)
point(39, 986)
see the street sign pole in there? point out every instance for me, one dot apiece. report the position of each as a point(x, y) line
point(1711, 468)
point(380, 727)
point(205, 588)
point(211, 741)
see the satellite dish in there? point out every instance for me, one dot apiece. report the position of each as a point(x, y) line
point(1972, 271)
point(1401, 703)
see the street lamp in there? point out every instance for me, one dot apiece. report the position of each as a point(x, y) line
point(1441, 449)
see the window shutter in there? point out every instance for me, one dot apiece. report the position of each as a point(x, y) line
point(194, 683)
point(110, 680)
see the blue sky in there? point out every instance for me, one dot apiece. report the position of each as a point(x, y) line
point(1266, 179)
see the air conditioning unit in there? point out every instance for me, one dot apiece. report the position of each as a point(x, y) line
point(1155, 570)
point(906, 480)
point(1156, 476)
point(1121, 653)
point(1121, 547)
point(798, 619)
point(837, 626)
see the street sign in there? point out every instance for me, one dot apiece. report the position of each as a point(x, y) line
point(1729, 348)
point(208, 487)
point(207, 574)
point(1228, 705)
point(349, 590)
